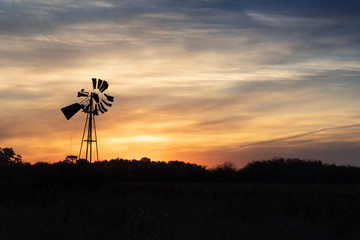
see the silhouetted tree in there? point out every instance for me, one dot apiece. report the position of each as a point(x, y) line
point(297, 170)
point(66, 172)
point(71, 159)
point(8, 156)
point(145, 159)
point(226, 167)
point(225, 172)
point(82, 162)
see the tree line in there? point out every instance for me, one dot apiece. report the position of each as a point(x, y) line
point(71, 171)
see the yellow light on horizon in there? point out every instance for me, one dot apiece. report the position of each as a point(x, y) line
point(139, 138)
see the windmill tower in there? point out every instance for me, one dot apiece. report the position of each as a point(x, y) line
point(93, 100)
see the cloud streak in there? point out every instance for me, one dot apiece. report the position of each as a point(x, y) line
point(198, 75)
point(296, 136)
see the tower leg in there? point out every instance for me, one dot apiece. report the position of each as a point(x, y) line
point(90, 124)
point(97, 150)
point(82, 139)
point(89, 140)
point(89, 128)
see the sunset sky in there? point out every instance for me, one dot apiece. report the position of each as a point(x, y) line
point(201, 81)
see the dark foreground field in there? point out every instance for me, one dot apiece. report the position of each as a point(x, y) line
point(181, 211)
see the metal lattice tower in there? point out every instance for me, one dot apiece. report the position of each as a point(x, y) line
point(92, 101)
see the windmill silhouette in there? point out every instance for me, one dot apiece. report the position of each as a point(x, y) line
point(93, 100)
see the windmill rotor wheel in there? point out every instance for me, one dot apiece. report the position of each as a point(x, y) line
point(93, 99)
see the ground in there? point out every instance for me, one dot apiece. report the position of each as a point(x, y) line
point(138, 210)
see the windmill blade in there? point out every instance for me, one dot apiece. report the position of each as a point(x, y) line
point(107, 104)
point(102, 107)
point(109, 98)
point(94, 83)
point(104, 86)
point(83, 94)
point(71, 110)
point(96, 97)
point(99, 83)
point(102, 111)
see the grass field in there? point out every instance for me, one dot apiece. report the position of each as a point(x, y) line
point(181, 211)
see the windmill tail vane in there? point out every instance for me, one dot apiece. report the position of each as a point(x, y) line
point(93, 99)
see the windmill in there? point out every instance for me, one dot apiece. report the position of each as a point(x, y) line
point(93, 99)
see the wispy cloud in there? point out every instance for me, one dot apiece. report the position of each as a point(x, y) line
point(296, 136)
point(202, 75)
point(291, 21)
